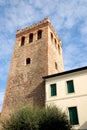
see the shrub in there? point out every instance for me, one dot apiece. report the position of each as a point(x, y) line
point(22, 119)
point(27, 118)
point(53, 118)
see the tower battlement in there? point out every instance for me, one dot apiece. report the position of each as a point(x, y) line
point(46, 20)
point(38, 25)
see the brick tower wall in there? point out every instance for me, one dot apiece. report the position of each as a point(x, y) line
point(25, 84)
point(55, 59)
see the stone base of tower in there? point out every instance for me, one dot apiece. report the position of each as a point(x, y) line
point(34, 97)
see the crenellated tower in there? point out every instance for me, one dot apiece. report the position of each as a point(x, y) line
point(37, 52)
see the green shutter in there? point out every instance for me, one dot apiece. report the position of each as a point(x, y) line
point(53, 89)
point(73, 115)
point(70, 86)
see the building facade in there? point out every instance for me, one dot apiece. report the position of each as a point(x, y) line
point(68, 91)
point(37, 52)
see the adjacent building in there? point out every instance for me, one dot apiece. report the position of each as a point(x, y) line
point(68, 91)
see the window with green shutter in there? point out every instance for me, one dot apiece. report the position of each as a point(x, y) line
point(70, 86)
point(73, 115)
point(53, 89)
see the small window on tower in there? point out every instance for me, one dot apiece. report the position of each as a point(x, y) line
point(59, 48)
point(39, 34)
point(56, 67)
point(55, 41)
point(51, 37)
point(22, 41)
point(28, 61)
point(55, 44)
point(31, 37)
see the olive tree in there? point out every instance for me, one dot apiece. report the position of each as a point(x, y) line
point(50, 118)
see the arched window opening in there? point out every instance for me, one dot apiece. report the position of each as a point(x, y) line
point(22, 41)
point(55, 43)
point(59, 48)
point(55, 40)
point(39, 34)
point(28, 60)
point(31, 37)
point(51, 37)
point(56, 67)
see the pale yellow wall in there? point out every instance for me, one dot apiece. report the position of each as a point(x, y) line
point(65, 100)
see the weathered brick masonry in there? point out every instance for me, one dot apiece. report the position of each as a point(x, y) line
point(25, 84)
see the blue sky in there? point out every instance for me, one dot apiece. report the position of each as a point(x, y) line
point(69, 18)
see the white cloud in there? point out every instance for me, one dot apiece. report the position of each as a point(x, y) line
point(73, 57)
point(6, 46)
point(64, 15)
point(83, 28)
point(19, 16)
point(11, 2)
point(2, 2)
point(4, 68)
point(69, 13)
point(69, 18)
point(6, 49)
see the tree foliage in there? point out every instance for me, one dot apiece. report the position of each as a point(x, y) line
point(53, 118)
point(27, 118)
